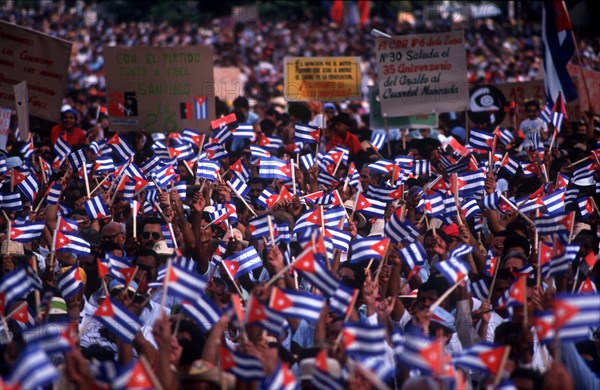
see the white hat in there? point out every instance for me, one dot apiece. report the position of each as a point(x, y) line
point(307, 366)
point(377, 228)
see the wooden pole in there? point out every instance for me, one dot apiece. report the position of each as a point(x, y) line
point(446, 294)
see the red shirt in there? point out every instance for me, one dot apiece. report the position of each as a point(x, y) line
point(75, 137)
point(350, 141)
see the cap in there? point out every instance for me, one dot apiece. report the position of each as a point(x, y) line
point(451, 230)
point(58, 306)
point(443, 318)
point(362, 221)
point(115, 285)
point(377, 228)
point(204, 371)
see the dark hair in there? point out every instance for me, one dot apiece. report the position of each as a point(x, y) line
point(152, 221)
point(514, 240)
point(437, 284)
point(528, 373)
point(149, 252)
point(533, 103)
point(267, 126)
point(241, 102)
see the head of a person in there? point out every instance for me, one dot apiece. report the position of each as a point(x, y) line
point(526, 379)
point(69, 119)
point(148, 261)
point(151, 232)
point(257, 186)
point(341, 124)
point(497, 245)
point(532, 108)
point(430, 291)
point(504, 279)
point(515, 242)
point(519, 339)
point(513, 261)
point(241, 104)
point(114, 232)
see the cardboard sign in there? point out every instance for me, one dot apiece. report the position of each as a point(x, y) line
point(592, 79)
point(160, 89)
point(519, 92)
point(321, 78)
point(377, 121)
point(39, 59)
point(422, 74)
point(228, 84)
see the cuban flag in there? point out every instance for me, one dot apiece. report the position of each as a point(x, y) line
point(214, 151)
point(26, 232)
point(296, 304)
point(400, 231)
point(182, 152)
point(274, 168)
point(558, 49)
point(362, 339)
point(434, 205)
point(384, 194)
point(418, 352)
point(307, 161)
point(574, 313)
point(193, 137)
point(365, 249)
point(306, 134)
point(482, 357)
point(480, 289)
point(208, 170)
point(267, 198)
point(11, 201)
point(247, 368)
point(96, 208)
point(182, 283)
point(70, 282)
point(320, 376)
point(244, 130)
point(240, 170)
point(164, 175)
point(121, 147)
point(281, 379)
point(27, 149)
point(61, 150)
point(29, 187)
point(454, 270)
point(340, 239)
point(23, 317)
point(118, 319)
point(14, 285)
point(32, 370)
point(378, 140)
point(201, 107)
point(342, 300)
point(202, 310)
point(481, 140)
point(510, 164)
point(264, 317)
point(370, 207)
point(313, 270)
point(70, 242)
point(239, 187)
point(554, 202)
point(242, 262)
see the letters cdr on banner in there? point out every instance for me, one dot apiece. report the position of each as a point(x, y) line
point(421, 74)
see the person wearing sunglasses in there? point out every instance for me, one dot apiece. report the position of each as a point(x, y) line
point(114, 232)
point(151, 232)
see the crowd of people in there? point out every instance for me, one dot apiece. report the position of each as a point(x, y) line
point(283, 255)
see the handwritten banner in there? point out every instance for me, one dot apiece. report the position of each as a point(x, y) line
point(592, 79)
point(421, 74)
point(4, 126)
point(322, 78)
point(39, 59)
point(160, 89)
point(377, 121)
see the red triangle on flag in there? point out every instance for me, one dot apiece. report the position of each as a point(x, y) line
point(288, 376)
point(362, 202)
point(305, 262)
point(279, 300)
point(433, 356)
point(61, 240)
point(102, 268)
point(545, 253)
point(105, 309)
point(492, 359)
point(256, 311)
point(587, 287)
point(348, 338)
point(381, 246)
point(22, 314)
point(264, 141)
point(227, 361)
point(237, 166)
point(18, 177)
point(563, 313)
point(139, 378)
point(232, 267)
point(336, 156)
point(285, 194)
point(315, 217)
point(542, 327)
point(590, 259)
point(321, 360)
